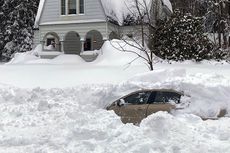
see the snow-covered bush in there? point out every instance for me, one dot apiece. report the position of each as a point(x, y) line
point(183, 38)
point(16, 28)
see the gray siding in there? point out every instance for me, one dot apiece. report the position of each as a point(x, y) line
point(51, 12)
point(36, 39)
point(81, 29)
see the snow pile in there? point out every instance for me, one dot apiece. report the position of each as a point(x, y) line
point(67, 59)
point(110, 54)
point(74, 119)
point(23, 58)
point(49, 48)
point(205, 95)
point(113, 54)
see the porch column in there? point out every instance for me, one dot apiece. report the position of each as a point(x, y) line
point(82, 45)
point(62, 45)
point(43, 44)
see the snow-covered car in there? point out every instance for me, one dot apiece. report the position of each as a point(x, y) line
point(136, 106)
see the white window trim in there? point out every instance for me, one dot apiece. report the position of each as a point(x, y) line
point(67, 8)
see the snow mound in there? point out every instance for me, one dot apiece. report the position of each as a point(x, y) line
point(204, 95)
point(67, 59)
point(158, 75)
point(23, 58)
point(111, 54)
point(74, 120)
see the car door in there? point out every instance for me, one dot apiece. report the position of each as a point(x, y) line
point(135, 107)
point(160, 101)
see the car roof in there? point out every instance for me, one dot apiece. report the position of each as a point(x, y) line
point(151, 90)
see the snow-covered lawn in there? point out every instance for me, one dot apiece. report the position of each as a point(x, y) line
point(57, 106)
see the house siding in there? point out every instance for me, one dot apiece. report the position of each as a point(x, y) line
point(80, 28)
point(51, 12)
point(36, 39)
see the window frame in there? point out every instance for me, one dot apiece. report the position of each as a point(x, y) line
point(67, 8)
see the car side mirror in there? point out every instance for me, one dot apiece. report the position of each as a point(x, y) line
point(121, 102)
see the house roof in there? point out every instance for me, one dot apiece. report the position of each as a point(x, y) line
point(115, 10)
point(39, 13)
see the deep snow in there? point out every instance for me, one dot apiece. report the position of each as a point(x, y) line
point(57, 106)
point(74, 120)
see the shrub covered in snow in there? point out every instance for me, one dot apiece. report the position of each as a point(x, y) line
point(183, 38)
point(16, 28)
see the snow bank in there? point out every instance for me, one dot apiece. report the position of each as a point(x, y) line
point(67, 59)
point(23, 58)
point(111, 54)
point(74, 119)
point(205, 95)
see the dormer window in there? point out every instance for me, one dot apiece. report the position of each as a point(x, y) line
point(81, 6)
point(63, 7)
point(71, 7)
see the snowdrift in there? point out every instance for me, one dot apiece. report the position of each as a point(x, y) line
point(112, 54)
point(108, 55)
point(74, 119)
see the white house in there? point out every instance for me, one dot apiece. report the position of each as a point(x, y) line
point(76, 26)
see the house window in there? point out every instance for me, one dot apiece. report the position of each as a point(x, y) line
point(63, 7)
point(81, 7)
point(72, 7)
point(69, 7)
point(50, 41)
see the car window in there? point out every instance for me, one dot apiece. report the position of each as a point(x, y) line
point(152, 97)
point(138, 98)
point(166, 96)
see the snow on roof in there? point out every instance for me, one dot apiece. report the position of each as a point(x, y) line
point(117, 10)
point(168, 4)
point(39, 12)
